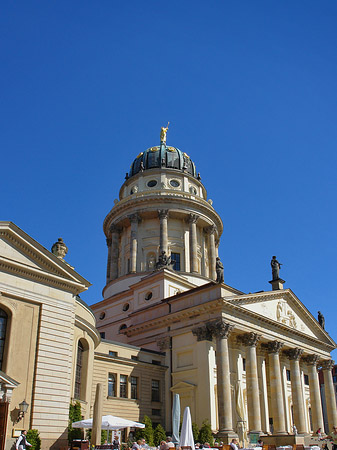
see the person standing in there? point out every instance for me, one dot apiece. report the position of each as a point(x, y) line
point(22, 442)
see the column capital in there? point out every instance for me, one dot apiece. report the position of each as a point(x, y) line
point(311, 360)
point(108, 242)
point(274, 346)
point(163, 213)
point(164, 343)
point(210, 230)
point(327, 364)
point(249, 339)
point(202, 333)
point(114, 228)
point(134, 218)
point(293, 353)
point(193, 218)
point(220, 329)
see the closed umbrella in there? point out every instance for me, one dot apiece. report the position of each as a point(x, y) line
point(240, 409)
point(186, 435)
point(98, 407)
point(175, 418)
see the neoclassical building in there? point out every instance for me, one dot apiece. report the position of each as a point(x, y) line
point(242, 361)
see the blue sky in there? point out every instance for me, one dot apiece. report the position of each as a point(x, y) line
point(249, 88)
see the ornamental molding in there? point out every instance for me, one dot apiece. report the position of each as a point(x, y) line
point(141, 202)
point(220, 328)
point(203, 333)
point(163, 213)
point(273, 346)
point(311, 360)
point(193, 218)
point(164, 343)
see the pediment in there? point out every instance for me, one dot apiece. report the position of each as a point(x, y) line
point(23, 256)
point(286, 310)
point(182, 386)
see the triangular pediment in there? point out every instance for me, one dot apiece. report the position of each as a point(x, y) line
point(20, 254)
point(182, 386)
point(286, 310)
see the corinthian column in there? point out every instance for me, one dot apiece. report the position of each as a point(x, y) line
point(221, 330)
point(193, 218)
point(250, 340)
point(134, 219)
point(296, 389)
point(212, 251)
point(330, 398)
point(114, 252)
point(163, 242)
point(276, 393)
point(315, 395)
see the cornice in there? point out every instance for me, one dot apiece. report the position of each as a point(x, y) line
point(90, 329)
point(127, 205)
point(36, 274)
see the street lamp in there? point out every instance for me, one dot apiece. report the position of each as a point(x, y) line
point(23, 409)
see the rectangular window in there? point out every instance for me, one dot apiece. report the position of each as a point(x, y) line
point(306, 379)
point(156, 412)
point(134, 387)
point(176, 258)
point(123, 391)
point(134, 357)
point(156, 362)
point(334, 378)
point(112, 353)
point(155, 394)
point(102, 333)
point(288, 375)
point(112, 385)
point(244, 364)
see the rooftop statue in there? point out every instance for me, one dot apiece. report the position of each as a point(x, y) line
point(275, 268)
point(321, 320)
point(219, 270)
point(163, 132)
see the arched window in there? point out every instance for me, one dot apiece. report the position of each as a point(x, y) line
point(3, 326)
point(79, 363)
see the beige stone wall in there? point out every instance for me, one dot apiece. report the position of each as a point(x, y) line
point(143, 369)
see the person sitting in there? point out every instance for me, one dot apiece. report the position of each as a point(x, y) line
point(169, 443)
point(260, 443)
point(234, 444)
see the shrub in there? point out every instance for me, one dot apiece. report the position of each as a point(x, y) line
point(75, 414)
point(205, 433)
point(159, 435)
point(145, 433)
point(33, 438)
point(195, 431)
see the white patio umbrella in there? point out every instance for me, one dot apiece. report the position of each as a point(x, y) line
point(109, 423)
point(175, 418)
point(240, 409)
point(186, 434)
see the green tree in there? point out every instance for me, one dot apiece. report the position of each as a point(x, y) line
point(159, 435)
point(195, 431)
point(205, 433)
point(75, 414)
point(33, 438)
point(145, 433)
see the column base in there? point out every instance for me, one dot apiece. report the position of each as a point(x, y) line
point(283, 439)
point(226, 436)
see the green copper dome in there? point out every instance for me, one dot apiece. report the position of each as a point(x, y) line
point(164, 157)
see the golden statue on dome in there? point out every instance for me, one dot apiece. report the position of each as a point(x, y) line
point(163, 132)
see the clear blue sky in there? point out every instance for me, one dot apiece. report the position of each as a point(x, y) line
point(249, 88)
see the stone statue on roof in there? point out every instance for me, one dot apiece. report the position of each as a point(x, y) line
point(321, 320)
point(219, 270)
point(275, 268)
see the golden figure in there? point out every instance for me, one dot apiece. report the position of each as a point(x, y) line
point(163, 132)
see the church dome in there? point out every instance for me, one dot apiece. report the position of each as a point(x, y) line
point(165, 157)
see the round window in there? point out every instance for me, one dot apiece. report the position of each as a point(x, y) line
point(126, 307)
point(193, 190)
point(152, 183)
point(174, 183)
point(102, 315)
point(148, 296)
